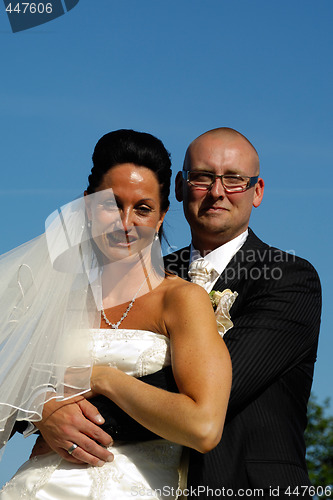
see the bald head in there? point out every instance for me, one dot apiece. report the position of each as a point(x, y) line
point(223, 137)
point(215, 215)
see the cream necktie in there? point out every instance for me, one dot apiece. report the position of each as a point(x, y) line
point(201, 272)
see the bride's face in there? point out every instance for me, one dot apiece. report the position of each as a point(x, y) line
point(125, 211)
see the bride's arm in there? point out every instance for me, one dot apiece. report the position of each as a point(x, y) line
point(202, 370)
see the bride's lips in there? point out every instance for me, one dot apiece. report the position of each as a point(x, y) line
point(121, 239)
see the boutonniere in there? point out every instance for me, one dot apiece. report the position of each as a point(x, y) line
point(222, 302)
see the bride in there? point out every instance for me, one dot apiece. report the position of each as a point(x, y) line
point(93, 311)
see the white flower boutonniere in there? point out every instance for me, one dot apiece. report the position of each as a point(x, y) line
point(222, 302)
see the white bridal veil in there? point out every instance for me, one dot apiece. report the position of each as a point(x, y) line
point(50, 296)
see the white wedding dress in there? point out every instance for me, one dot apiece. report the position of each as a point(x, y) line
point(146, 470)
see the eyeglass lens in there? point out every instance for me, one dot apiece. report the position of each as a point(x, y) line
point(206, 179)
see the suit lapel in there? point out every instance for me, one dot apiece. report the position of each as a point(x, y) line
point(178, 262)
point(240, 263)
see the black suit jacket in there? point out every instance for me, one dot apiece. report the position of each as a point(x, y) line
point(273, 347)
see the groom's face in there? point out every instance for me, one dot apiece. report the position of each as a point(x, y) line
point(214, 215)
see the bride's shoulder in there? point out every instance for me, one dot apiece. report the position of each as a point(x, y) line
point(179, 291)
point(185, 305)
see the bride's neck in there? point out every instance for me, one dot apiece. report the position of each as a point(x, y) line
point(122, 281)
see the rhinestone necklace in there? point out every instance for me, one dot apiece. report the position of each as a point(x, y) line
point(129, 307)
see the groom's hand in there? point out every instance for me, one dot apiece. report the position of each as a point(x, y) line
point(75, 421)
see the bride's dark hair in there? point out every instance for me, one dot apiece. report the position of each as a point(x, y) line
point(129, 146)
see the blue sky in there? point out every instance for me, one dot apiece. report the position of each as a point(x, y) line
point(175, 69)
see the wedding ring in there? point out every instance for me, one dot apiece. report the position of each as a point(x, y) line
point(72, 448)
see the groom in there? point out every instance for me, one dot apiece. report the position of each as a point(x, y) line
point(272, 345)
point(276, 318)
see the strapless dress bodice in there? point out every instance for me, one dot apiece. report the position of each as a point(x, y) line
point(135, 352)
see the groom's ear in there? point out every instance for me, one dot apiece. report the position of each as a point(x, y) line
point(179, 187)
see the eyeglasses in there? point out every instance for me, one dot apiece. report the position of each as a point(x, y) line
point(232, 183)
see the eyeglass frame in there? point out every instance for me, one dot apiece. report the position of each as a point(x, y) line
point(251, 181)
